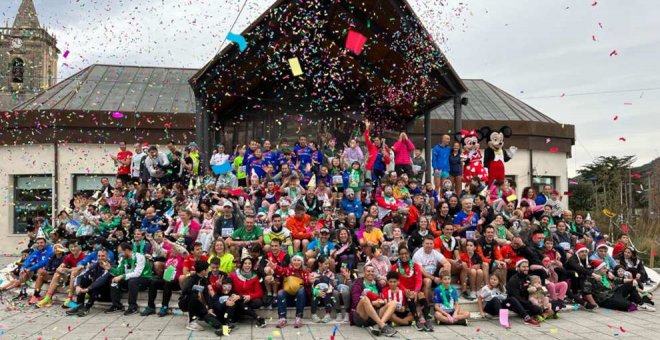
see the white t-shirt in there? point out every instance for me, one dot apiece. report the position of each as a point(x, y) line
point(135, 164)
point(428, 261)
point(219, 158)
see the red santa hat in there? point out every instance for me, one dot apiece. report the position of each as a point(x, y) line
point(602, 245)
point(521, 261)
point(598, 264)
point(580, 247)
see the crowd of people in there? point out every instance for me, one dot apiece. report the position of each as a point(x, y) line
point(361, 231)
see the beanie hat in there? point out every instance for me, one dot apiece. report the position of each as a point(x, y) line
point(580, 247)
point(598, 264)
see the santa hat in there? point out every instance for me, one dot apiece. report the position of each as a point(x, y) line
point(580, 247)
point(602, 245)
point(598, 264)
point(299, 256)
point(521, 261)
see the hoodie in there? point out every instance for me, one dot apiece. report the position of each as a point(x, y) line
point(38, 259)
point(440, 157)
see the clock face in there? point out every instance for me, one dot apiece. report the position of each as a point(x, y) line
point(17, 43)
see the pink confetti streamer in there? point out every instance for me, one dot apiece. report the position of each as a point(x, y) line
point(65, 54)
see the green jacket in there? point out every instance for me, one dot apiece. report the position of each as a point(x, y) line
point(107, 226)
point(136, 266)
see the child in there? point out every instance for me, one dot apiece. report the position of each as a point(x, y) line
point(324, 281)
point(381, 263)
point(10, 273)
point(394, 292)
point(494, 295)
point(445, 298)
point(538, 295)
point(472, 269)
point(205, 235)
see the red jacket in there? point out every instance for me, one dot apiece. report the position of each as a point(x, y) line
point(414, 282)
point(508, 253)
point(249, 287)
point(618, 248)
point(373, 152)
point(380, 200)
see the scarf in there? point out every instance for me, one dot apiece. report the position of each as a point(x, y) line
point(372, 287)
point(245, 276)
point(447, 245)
point(402, 271)
point(446, 297)
point(141, 250)
point(605, 281)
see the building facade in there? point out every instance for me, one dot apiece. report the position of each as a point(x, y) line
point(28, 58)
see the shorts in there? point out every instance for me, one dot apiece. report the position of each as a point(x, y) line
point(402, 315)
point(338, 189)
point(359, 322)
point(441, 174)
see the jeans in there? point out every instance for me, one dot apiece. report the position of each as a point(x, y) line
point(493, 307)
point(167, 288)
point(284, 300)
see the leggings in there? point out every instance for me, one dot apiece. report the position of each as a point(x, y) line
point(557, 290)
point(493, 307)
point(524, 308)
point(197, 310)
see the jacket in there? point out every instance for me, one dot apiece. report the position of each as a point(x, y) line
point(412, 282)
point(440, 157)
point(376, 160)
point(402, 150)
point(354, 207)
point(53, 263)
point(250, 287)
point(598, 290)
point(488, 252)
point(136, 266)
point(576, 265)
point(299, 228)
point(38, 259)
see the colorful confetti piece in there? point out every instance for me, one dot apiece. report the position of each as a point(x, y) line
point(238, 39)
point(295, 67)
point(355, 42)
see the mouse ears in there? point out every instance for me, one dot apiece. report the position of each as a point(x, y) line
point(459, 136)
point(505, 131)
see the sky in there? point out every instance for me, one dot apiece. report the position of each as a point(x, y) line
point(556, 55)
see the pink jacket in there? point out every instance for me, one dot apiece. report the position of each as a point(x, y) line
point(402, 150)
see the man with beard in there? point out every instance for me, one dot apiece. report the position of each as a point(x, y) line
point(518, 296)
point(366, 304)
point(579, 269)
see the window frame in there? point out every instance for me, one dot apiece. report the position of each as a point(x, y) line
point(49, 212)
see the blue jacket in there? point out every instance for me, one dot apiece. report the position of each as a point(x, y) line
point(151, 226)
point(440, 157)
point(354, 206)
point(38, 259)
point(540, 200)
point(304, 155)
point(609, 260)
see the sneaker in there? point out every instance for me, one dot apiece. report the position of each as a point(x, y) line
point(261, 322)
point(148, 311)
point(131, 310)
point(194, 326)
point(473, 295)
point(428, 326)
point(45, 302)
point(282, 323)
point(388, 331)
point(466, 295)
point(315, 318)
point(34, 300)
point(219, 332)
point(646, 307)
point(347, 317)
point(420, 325)
point(374, 330)
point(339, 317)
point(463, 322)
point(163, 311)
point(73, 311)
point(531, 322)
point(83, 311)
point(326, 318)
point(67, 303)
point(21, 296)
point(540, 318)
point(589, 306)
point(298, 322)
point(114, 308)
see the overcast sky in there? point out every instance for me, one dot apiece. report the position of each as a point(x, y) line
point(535, 50)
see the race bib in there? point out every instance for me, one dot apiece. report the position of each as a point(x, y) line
point(337, 180)
point(226, 232)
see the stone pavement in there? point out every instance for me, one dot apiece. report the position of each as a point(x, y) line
point(52, 323)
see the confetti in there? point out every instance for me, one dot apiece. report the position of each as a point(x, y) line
point(65, 54)
point(355, 42)
point(624, 228)
point(621, 329)
point(573, 182)
point(562, 95)
point(622, 139)
point(553, 330)
point(616, 117)
point(627, 103)
point(600, 24)
point(554, 149)
point(548, 140)
point(654, 253)
point(225, 330)
point(277, 334)
point(613, 53)
point(593, 37)
point(295, 67)
point(504, 318)
point(117, 115)
point(594, 4)
point(238, 39)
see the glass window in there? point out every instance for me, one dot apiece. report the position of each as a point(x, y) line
point(33, 196)
point(89, 184)
point(541, 181)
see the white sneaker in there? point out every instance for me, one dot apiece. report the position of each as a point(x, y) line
point(326, 318)
point(347, 317)
point(339, 317)
point(646, 307)
point(194, 326)
point(315, 318)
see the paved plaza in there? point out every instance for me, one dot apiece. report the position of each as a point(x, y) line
point(52, 323)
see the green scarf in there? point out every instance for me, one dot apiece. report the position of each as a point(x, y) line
point(446, 297)
point(605, 281)
point(371, 287)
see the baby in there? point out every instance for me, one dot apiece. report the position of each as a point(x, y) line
point(538, 294)
point(205, 235)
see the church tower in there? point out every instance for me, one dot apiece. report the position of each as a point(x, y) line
point(28, 58)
